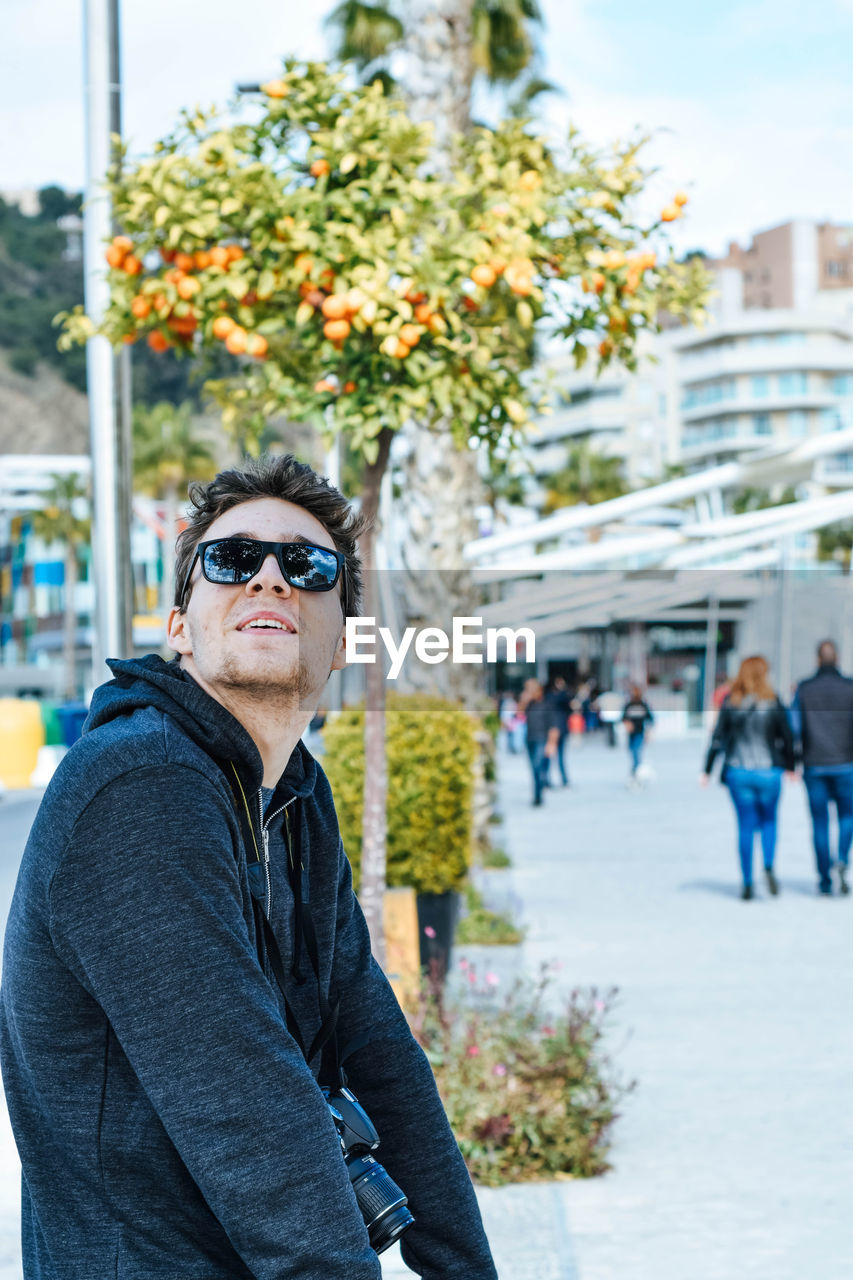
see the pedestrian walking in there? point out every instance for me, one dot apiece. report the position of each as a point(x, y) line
point(542, 732)
point(754, 737)
point(822, 719)
point(637, 718)
point(507, 713)
point(558, 694)
point(191, 1020)
point(608, 707)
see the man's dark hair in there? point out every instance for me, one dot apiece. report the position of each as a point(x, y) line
point(274, 476)
point(827, 654)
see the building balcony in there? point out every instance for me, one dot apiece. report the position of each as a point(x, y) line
point(773, 402)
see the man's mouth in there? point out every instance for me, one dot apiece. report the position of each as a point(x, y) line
point(267, 624)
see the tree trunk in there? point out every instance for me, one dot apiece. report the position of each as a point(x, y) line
point(372, 887)
point(69, 635)
point(167, 587)
point(440, 66)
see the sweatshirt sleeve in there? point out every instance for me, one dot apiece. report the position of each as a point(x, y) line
point(393, 1080)
point(147, 911)
point(786, 737)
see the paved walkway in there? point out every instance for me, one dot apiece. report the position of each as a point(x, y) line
point(734, 1156)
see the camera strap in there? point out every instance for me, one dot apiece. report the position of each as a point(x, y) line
point(268, 948)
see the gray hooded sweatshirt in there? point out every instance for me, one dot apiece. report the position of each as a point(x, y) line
point(167, 1122)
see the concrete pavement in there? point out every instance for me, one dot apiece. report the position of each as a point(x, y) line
point(734, 1156)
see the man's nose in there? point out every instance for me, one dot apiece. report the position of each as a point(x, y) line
point(269, 577)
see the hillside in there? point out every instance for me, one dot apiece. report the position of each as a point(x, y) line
point(42, 413)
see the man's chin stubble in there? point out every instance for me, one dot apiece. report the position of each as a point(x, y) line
point(289, 688)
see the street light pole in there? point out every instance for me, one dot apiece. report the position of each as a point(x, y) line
point(110, 457)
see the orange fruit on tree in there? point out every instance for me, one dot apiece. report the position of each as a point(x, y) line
point(129, 339)
point(469, 304)
point(185, 326)
point(498, 264)
point(530, 180)
point(605, 348)
point(140, 308)
point(437, 324)
point(410, 334)
point(257, 345)
point(201, 258)
point(423, 313)
point(173, 276)
point(320, 168)
point(236, 340)
point(184, 261)
point(222, 326)
point(598, 281)
point(415, 298)
point(303, 262)
point(159, 302)
point(669, 213)
point(115, 256)
point(275, 89)
point(327, 277)
point(680, 198)
point(168, 255)
point(337, 330)
point(316, 297)
point(132, 264)
point(400, 349)
point(324, 385)
point(484, 275)
point(123, 242)
point(234, 252)
point(219, 256)
point(335, 307)
point(349, 387)
point(158, 341)
point(187, 286)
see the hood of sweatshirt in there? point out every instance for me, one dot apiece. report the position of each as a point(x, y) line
point(151, 682)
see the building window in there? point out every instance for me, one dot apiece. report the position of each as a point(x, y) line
point(836, 269)
point(842, 384)
point(789, 337)
point(798, 423)
point(793, 384)
point(760, 385)
point(761, 424)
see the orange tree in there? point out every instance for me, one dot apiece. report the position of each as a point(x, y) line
point(361, 285)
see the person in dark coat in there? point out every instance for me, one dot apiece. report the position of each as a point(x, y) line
point(542, 731)
point(754, 737)
point(561, 701)
point(822, 718)
point(637, 717)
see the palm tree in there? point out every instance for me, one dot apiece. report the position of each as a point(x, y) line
point(588, 476)
point(167, 455)
point(58, 521)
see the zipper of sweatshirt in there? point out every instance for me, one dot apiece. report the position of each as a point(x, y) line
point(266, 839)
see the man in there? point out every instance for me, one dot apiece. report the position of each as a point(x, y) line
point(822, 720)
point(561, 702)
point(542, 733)
point(184, 864)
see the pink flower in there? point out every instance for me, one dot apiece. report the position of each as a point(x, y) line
point(473, 1051)
point(463, 963)
point(500, 1069)
point(492, 979)
point(600, 1006)
point(548, 1031)
point(429, 931)
point(472, 977)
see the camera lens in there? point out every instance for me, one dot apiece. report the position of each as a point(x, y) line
point(382, 1203)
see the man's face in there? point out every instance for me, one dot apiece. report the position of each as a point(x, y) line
point(228, 657)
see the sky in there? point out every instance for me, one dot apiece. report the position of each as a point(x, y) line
point(750, 102)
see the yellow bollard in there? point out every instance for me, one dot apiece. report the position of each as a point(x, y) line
point(21, 735)
point(403, 963)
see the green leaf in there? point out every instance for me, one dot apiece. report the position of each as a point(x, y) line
point(304, 313)
point(230, 205)
point(349, 162)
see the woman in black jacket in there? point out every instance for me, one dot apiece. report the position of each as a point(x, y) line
point(754, 737)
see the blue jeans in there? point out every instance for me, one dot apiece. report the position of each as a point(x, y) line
point(755, 796)
point(539, 763)
point(561, 759)
point(635, 746)
point(821, 787)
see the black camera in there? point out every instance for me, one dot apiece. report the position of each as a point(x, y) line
point(382, 1203)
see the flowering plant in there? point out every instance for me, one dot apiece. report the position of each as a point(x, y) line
point(529, 1092)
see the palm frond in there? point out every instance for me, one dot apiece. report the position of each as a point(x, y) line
point(365, 32)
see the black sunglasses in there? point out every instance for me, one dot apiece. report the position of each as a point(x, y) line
point(234, 560)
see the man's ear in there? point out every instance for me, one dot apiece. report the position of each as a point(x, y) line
point(177, 633)
point(340, 658)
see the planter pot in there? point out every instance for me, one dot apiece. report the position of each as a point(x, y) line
point(438, 914)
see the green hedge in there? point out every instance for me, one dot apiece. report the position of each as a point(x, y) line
point(431, 750)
